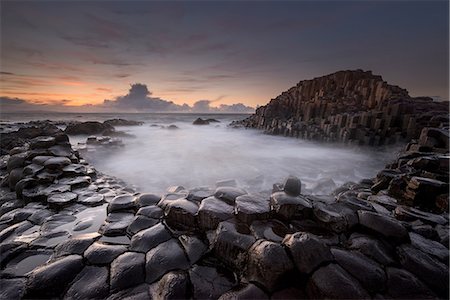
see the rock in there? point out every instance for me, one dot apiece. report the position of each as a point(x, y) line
point(212, 211)
point(229, 194)
point(14, 177)
point(116, 223)
point(208, 282)
point(268, 264)
point(121, 202)
point(287, 206)
point(200, 121)
point(99, 254)
point(165, 257)
point(16, 161)
point(75, 245)
point(150, 212)
point(434, 138)
point(140, 292)
point(292, 186)
point(333, 282)
point(176, 189)
point(307, 251)
point(429, 270)
point(405, 213)
point(13, 288)
point(149, 238)
point(139, 223)
point(271, 230)
point(371, 247)
point(62, 198)
point(422, 191)
point(193, 247)
point(61, 150)
point(252, 207)
point(199, 194)
point(173, 285)
point(172, 127)
point(147, 200)
point(91, 283)
point(88, 128)
point(368, 272)
point(330, 215)
point(250, 291)
point(181, 214)
point(428, 246)
point(56, 163)
point(51, 279)
point(95, 199)
point(122, 122)
point(231, 242)
point(383, 225)
point(76, 182)
point(404, 285)
point(127, 270)
point(32, 169)
point(42, 142)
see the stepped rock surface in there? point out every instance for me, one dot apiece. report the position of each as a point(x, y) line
point(348, 106)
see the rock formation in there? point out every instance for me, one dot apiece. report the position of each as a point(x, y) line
point(348, 106)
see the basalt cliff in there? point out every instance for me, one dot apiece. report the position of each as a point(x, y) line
point(354, 107)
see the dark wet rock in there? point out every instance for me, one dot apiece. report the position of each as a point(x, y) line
point(57, 163)
point(76, 245)
point(421, 190)
point(252, 207)
point(90, 283)
point(149, 238)
point(170, 197)
point(268, 264)
point(88, 128)
point(371, 247)
point(51, 279)
point(122, 122)
point(115, 240)
point(428, 269)
point(212, 211)
point(16, 161)
point(8, 250)
point(172, 127)
point(95, 199)
point(139, 223)
point(56, 220)
point(181, 214)
point(165, 257)
point(433, 248)
point(99, 253)
point(406, 213)
point(116, 223)
point(209, 283)
point(140, 292)
point(13, 288)
point(61, 150)
point(151, 212)
point(250, 291)
point(76, 182)
point(229, 194)
point(121, 202)
point(383, 225)
point(425, 230)
point(331, 216)
point(62, 198)
point(74, 170)
point(25, 262)
point(147, 200)
point(193, 246)
point(14, 229)
point(199, 194)
point(443, 233)
point(271, 230)
point(173, 285)
point(32, 169)
point(368, 272)
point(292, 186)
point(307, 251)
point(127, 270)
point(14, 177)
point(333, 282)
point(200, 121)
point(404, 285)
point(288, 206)
point(50, 239)
point(231, 242)
point(42, 142)
point(16, 215)
point(176, 189)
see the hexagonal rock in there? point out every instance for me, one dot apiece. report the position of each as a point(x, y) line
point(271, 230)
point(62, 199)
point(165, 257)
point(429, 270)
point(199, 194)
point(371, 247)
point(74, 170)
point(383, 225)
point(116, 223)
point(61, 150)
point(76, 245)
point(147, 200)
point(250, 291)
point(208, 283)
point(42, 142)
point(428, 246)
point(57, 163)
point(287, 206)
point(292, 186)
point(368, 272)
point(193, 246)
point(127, 270)
point(404, 285)
point(212, 211)
point(333, 282)
point(307, 251)
point(383, 200)
point(330, 216)
point(139, 223)
point(95, 199)
point(91, 283)
point(228, 194)
point(173, 285)
point(268, 263)
point(32, 169)
point(181, 214)
point(231, 242)
point(76, 182)
point(99, 254)
point(149, 238)
point(51, 279)
point(170, 197)
point(14, 177)
point(252, 207)
point(139, 292)
point(122, 202)
point(151, 211)
point(406, 213)
point(16, 161)
point(13, 288)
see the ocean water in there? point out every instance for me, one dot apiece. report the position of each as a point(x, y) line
point(195, 156)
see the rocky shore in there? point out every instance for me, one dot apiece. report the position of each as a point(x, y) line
point(68, 231)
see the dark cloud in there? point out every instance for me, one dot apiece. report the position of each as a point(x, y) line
point(203, 106)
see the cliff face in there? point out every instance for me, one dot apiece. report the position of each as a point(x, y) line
point(348, 106)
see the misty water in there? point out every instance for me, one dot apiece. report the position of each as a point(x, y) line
point(195, 156)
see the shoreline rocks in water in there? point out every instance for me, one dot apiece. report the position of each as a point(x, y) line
point(200, 121)
point(379, 238)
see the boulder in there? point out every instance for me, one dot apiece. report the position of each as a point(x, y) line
point(122, 202)
point(371, 247)
point(287, 206)
point(384, 226)
point(404, 285)
point(91, 283)
point(181, 214)
point(149, 238)
point(200, 121)
point(100, 254)
point(75, 245)
point(127, 270)
point(173, 285)
point(88, 128)
point(212, 211)
point(209, 283)
point(292, 186)
point(229, 194)
point(252, 207)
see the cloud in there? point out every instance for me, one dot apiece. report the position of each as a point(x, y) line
point(203, 106)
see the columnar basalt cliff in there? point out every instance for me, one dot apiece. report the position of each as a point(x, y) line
point(348, 106)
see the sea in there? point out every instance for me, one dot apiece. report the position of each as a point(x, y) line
point(156, 158)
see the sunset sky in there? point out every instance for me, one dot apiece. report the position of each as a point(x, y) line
point(82, 52)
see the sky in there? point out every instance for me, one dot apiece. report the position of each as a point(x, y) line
point(210, 55)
